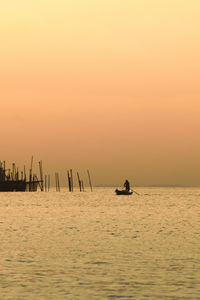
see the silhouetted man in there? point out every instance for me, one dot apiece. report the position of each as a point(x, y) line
point(127, 185)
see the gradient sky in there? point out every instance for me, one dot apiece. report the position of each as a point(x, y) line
point(109, 85)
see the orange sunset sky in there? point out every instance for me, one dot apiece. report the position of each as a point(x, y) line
point(109, 85)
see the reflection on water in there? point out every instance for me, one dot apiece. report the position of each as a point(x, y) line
point(100, 246)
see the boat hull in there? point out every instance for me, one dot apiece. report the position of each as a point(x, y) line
point(123, 192)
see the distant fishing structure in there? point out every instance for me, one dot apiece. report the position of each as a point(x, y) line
point(14, 180)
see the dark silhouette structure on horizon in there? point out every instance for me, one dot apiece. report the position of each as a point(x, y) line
point(11, 180)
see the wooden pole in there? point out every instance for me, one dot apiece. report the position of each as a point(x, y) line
point(71, 179)
point(82, 186)
point(41, 175)
point(34, 183)
point(13, 171)
point(30, 175)
point(45, 183)
point(58, 182)
point(79, 181)
point(31, 169)
point(89, 180)
point(24, 173)
point(48, 183)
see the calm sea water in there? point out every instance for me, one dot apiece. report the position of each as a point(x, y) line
point(100, 246)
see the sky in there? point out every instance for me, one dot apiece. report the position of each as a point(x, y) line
point(107, 85)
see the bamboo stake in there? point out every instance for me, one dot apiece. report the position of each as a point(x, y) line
point(69, 181)
point(89, 180)
point(56, 182)
point(39, 182)
point(71, 178)
point(34, 183)
point(82, 185)
point(31, 168)
point(79, 181)
point(24, 173)
point(48, 183)
point(45, 183)
point(13, 171)
point(41, 175)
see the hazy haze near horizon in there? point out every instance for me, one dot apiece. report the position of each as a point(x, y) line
point(112, 86)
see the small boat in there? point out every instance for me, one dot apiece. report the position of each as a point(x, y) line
point(123, 192)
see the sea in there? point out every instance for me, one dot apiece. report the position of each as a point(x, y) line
point(97, 245)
